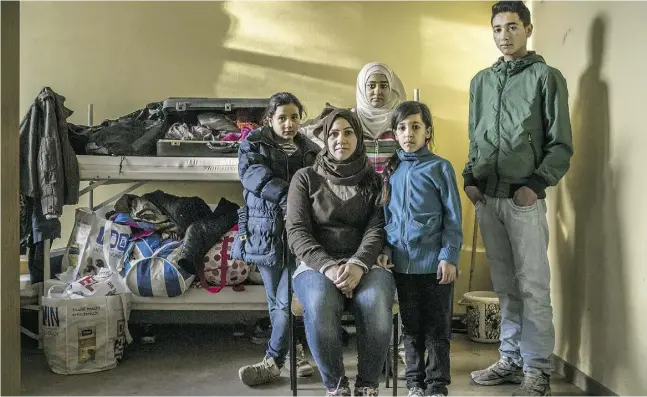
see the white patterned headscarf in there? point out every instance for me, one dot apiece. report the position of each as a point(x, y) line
point(376, 121)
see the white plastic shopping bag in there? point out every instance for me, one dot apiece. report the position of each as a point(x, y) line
point(106, 283)
point(86, 334)
point(95, 243)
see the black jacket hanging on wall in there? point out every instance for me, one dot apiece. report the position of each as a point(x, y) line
point(49, 171)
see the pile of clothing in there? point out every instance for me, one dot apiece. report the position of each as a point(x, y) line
point(135, 134)
point(186, 219)
point(211, 127)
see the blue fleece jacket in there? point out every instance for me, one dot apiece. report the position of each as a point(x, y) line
point(423, 215)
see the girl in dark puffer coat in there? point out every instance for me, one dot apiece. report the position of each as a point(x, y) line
point(267, 160)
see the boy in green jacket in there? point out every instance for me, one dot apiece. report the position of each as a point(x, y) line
point(520, 144)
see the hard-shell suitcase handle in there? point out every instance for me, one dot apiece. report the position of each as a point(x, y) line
point(222, 148)
point(181, 106)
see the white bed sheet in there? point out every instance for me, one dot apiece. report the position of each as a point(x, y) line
point(131, 168)
point(253, 298)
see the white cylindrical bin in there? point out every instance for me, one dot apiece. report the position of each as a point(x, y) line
point(483, 316)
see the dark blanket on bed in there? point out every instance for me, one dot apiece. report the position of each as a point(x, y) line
point(196, 224)
point(135, 134)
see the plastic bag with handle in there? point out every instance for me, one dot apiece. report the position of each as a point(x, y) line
point(106, 283)
point(95, 243)
point(83, 334)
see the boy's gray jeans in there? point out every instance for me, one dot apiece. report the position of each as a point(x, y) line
point(516, 244)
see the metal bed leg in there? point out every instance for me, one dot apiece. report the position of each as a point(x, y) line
point(91, 198)
point(90, 123)
point(395, 354)
point(41, 291)
point(47, 270)
point(387, 368)
point(293, 341)
point(292, 337)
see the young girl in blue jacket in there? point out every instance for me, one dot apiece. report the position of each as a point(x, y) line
point(268, 158)
point(424, 237)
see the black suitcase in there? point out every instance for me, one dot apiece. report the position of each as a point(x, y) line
point(200, 115)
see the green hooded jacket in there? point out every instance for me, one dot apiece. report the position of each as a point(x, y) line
point(519, 128)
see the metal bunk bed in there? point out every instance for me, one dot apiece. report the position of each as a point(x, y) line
point(136, 171)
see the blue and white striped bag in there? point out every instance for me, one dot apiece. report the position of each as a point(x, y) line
point(151, 268)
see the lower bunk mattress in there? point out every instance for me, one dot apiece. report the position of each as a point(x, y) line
point(132, 168)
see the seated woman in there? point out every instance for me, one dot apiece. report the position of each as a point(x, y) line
point(335, 227)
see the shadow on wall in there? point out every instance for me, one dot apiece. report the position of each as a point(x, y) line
point(195, 49)
point(588, 233)
point(321, 62)
point(326, 72)
point(313, 54)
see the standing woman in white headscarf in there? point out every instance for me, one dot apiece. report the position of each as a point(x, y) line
point(379, 91)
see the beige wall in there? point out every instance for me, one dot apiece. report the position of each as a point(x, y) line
point(121, 55)
point(598, 219)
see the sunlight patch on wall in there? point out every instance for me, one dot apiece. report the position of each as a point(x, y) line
point(451, 50)
point(451, 54)
point(294, 30)
point(239, 79)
